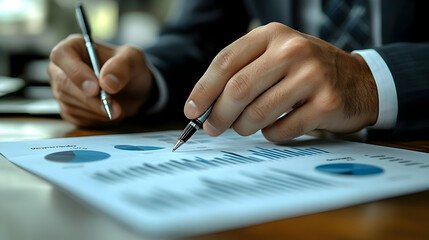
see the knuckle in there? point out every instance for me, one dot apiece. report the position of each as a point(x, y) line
point(329, 104)
point(68, 44)
point(56, 53)
point(218, 121)
point(58, 83)
point(316, 68)
point(56, 90)
point(223, 62)
point(274, 28)
point(74, 72)
point(301, 43)
point(74, 37)
point(296, 46)
point(286, 53)
point(133, 53)
point(314, 73)
point(56, 94)
point(73, 42)
point(133, 50)
point(257, 114)
point(63, 88)
point(201, 89)
point(238, 87)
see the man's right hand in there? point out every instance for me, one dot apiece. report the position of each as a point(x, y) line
point(124, 75)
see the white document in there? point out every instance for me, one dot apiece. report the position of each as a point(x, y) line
point(212, 184)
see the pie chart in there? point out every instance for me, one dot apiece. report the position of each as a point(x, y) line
point(77, 156)
point(350, 169)
point(137, 148)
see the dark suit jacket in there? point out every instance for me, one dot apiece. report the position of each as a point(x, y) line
point(202, 28)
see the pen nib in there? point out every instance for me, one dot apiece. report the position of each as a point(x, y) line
point(107, 107)
point(178, 144)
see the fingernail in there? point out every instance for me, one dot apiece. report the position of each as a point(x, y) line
point(89, 87)
point(210, 129)
point(112, 81)
point(191, 109)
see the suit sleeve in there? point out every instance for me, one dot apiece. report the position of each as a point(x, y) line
point(190, 40)
point(409, 65)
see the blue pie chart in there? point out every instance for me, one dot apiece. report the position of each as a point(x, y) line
point(350, 169)
point(137, 148)
point(77, 156)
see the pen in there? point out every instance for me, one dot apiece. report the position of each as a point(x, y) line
point(192, 127)
point(90, 46)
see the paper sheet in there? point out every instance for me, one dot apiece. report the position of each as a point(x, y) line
point(213, 184)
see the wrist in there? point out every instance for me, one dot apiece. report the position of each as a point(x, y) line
point(359, 91)
point(369, 90)
point(386, 89)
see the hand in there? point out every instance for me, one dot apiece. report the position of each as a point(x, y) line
point(123, 74)
point(275, 70)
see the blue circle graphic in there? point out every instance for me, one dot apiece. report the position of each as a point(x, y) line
point(137, 148)
point(77, 156)
point(351, 169)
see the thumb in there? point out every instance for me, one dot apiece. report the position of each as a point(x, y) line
point(117, 71)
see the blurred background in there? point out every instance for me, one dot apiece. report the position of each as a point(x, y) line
point(29, 29)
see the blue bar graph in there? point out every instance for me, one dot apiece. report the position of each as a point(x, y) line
point(286, 153)
point(226, 158)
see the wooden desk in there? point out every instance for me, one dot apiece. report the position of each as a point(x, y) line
point(31, 208)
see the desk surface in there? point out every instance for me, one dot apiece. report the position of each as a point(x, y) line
point(31, 208)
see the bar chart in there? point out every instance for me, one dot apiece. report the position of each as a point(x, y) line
point(228, 158)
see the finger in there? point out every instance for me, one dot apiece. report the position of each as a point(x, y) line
point(116, 73)
point(283, 57)
point(72, 107)
point(72, 57)
point(79, 115)
point(62, 87)
point(228, 62)
point(92, 105)
point(69, 94)
point(246, 85)
point(279, 99)
point(296, 123)
point(82, 117)
point(57, 77)
point(65, 91)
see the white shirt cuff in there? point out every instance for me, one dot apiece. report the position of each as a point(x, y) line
point(387, 96)
point(162, 90)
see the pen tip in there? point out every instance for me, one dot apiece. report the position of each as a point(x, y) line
point(178, 144)
point(107, 108)
point(110, 115)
